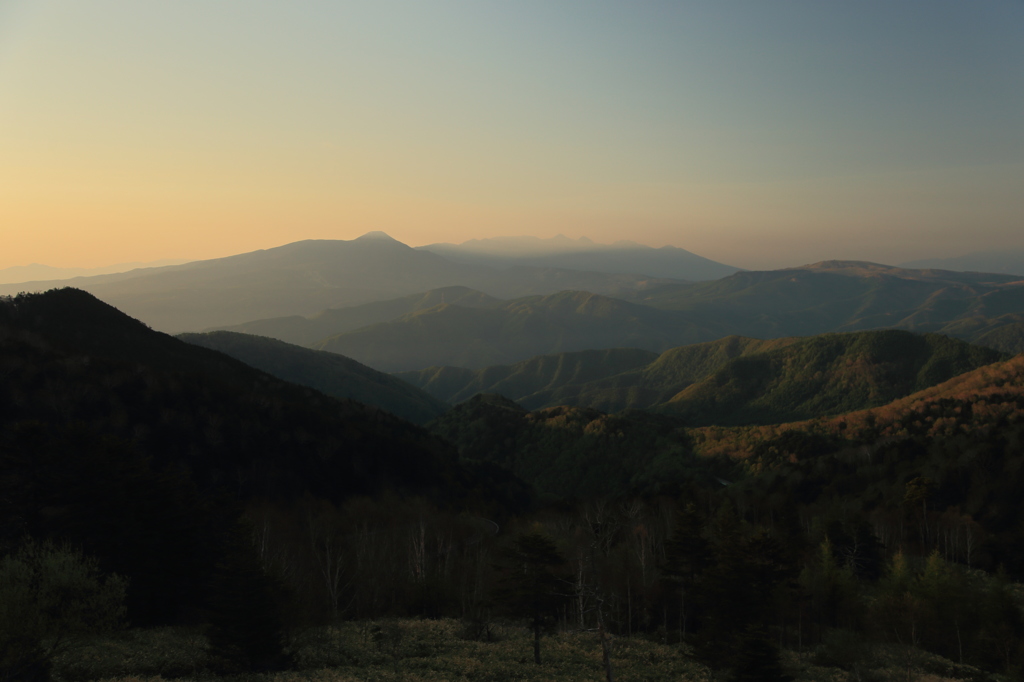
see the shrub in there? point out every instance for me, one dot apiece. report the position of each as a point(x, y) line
point(50, 598)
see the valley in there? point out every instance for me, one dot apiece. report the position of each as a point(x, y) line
point(362, 465)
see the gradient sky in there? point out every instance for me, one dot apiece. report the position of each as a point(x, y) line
point(758, 133)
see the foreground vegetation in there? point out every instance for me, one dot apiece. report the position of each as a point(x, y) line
point(450, 650)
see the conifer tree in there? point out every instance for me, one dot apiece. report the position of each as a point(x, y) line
point(533, 585)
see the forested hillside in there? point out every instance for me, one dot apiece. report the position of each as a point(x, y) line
point(260, 516)
point(734, 380)
point(329, 373)
point(140, 448)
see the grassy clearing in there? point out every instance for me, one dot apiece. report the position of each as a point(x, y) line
point(438, 650)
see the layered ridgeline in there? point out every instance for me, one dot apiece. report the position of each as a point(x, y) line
point(734, 380)
point(474, 330)
point(137, 446)
point(451, 334)
point(329, 373)
point(306, 277)
point(1009, 261)
point(939, 468)
point(836, 296)
point(308, 331)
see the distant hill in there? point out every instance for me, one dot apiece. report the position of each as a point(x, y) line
point(622, 257)
point(514, 330)
point(304, 278)
point(36, 272)
point(835, 296)
point(307, 331)
point(735, 380)
point(329, 373)
point(1007, 261)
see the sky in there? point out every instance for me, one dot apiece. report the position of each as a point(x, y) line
point(760, 134)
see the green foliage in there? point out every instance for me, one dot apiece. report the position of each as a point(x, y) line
point(825, 375)
point(733, 380)
point(50, 597)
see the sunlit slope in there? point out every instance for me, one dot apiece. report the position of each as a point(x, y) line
point(735, 380)
point(307, 331)
point(519, 329)
point(947, 460)
point(984, 402)
point(329, 373)
point(825, 375)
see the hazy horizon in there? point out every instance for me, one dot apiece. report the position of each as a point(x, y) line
point(753, 134)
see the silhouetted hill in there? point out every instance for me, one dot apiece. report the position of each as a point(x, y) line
point(622, 257)
point(306, 277)
point(178, 402)
point(329, 373)
point(307, 331)
point(141, 449)
point(515, 330)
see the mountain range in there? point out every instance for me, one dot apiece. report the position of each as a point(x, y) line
point(458, 327)
point(1008, 261)
point(452, 334)
point(37, 272)
point(734, 380)
point(306, 277)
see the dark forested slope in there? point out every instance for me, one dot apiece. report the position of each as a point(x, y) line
point(329, 373)
point(570, 452)
point(140, 447)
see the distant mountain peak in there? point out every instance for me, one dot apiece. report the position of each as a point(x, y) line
point(376, 235)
